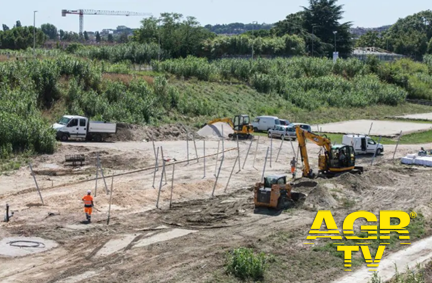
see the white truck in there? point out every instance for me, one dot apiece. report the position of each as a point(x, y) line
point(363, 144)
point(78, 127)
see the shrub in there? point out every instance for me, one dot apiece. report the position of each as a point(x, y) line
point(243, 263)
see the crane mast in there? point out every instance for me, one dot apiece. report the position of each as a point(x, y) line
point(82, 12)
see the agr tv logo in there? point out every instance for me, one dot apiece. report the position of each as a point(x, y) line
point(385, 228)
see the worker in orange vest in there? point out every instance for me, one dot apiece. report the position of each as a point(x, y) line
point(88, 204)
point(293, 167)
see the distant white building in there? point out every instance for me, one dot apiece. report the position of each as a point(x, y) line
point(361, 53)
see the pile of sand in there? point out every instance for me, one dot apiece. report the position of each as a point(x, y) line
point(320, 198)
point(215, 130)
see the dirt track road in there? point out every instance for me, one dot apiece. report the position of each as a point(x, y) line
point(419, 253)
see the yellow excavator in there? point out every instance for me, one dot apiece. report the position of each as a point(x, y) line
point(274, 192)
point(336, 159)
point(240, 125)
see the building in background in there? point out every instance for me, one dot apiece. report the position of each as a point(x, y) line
point(362, 53)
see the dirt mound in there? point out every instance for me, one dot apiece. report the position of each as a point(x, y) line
point(320, 198)
point(215, 130)
point(369, 180)
point(129, 132)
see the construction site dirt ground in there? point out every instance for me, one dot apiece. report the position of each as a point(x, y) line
point(189, 242)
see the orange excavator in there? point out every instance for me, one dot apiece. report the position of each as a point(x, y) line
point(336, 159)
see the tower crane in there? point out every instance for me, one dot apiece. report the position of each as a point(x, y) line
point(82, 12)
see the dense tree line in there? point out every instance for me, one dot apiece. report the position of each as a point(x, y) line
point(410, 36)
point(237, 28)
point(178, 35)
point(20, 37)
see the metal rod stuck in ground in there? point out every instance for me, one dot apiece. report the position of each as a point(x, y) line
point(238, 153)
point(103, 177)
point(196, 151)
point(163, 158)
point(155, 169)
point(217, 157)
point(247, 154)
point(160, 184)
point(373, 159)
point(97, 172)
point(172, 184)
point(265, 163)
point(271, 150)
point(223, 142)
point(397, 144)
point(37, 186)
point(280, 148)
point(187, 146)
point(110, 200)
point(217, 176)
point(370, 129)
point(256, 150)
point(232, 171)
point(204, 155)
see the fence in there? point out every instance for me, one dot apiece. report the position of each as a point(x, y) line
point(203, 172)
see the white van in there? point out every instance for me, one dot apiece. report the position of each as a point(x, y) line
point(363, 144)
point(265, 123)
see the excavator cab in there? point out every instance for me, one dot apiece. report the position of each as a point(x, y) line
point(342, 156)
point(242, 127)
point(240, 121)
point(273, 193)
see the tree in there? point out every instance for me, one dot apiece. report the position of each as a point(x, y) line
point(370, 39)
point(293, 24)
point(110, 38)
point(62, 34)
point(86, 36)
point(178, 36)
point(410, 36)
point(316, 24)
point(18, 24)
point(123, 38)
point(20, 38)
point(324, 16)
point(50, 30)
point(5, 27)
point(98, 37)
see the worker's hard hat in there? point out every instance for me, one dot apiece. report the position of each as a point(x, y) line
point(89, 192)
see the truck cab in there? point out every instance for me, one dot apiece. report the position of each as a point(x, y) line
point(363, 144)
point(71, 126)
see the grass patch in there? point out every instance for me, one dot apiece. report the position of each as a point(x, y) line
point(417, 275)
point(244, 264)
point(414, 138)
point(416, 228)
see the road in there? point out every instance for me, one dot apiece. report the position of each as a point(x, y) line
point(418, 253)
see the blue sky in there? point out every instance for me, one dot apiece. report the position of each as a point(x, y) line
point(365, 13)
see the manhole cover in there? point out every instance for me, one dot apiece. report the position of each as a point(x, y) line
point(22, 246)
point(26, 244)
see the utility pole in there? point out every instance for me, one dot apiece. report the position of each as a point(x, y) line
point(313, 40)
point(253, 38)
point(335, 32)
point(34, 32)
point(159, 40)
